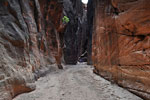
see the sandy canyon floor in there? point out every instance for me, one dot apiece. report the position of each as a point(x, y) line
point(77, 82)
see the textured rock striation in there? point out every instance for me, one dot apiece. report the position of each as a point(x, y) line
point(74, 30)
point(30, 40)
point(33, 36)
point(121, 43)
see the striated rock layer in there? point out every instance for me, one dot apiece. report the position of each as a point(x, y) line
point(74, 31)
point(121, 43)
point(29, 41)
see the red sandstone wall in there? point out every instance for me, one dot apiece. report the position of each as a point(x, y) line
point(29, 41)
point(121, 43)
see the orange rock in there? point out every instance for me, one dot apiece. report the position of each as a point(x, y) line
point(121, 42)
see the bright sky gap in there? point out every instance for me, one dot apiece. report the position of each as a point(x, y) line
point(85, 1)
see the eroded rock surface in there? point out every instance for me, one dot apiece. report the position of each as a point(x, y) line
point(121, 43)
point(29, 41)
point(73, 33)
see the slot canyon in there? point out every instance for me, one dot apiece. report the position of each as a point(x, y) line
point(70, 50)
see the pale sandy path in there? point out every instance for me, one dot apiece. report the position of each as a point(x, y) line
point(76, 83)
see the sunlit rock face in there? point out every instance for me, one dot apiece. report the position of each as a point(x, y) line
point(29, 41)
point(121, 43)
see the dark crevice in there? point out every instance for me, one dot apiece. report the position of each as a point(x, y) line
point(116, 11)
point(36, 16)
point(52, 6)
point(141, 37)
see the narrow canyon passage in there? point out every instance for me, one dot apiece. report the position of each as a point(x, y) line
point(53, 38)
point(76, 82)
